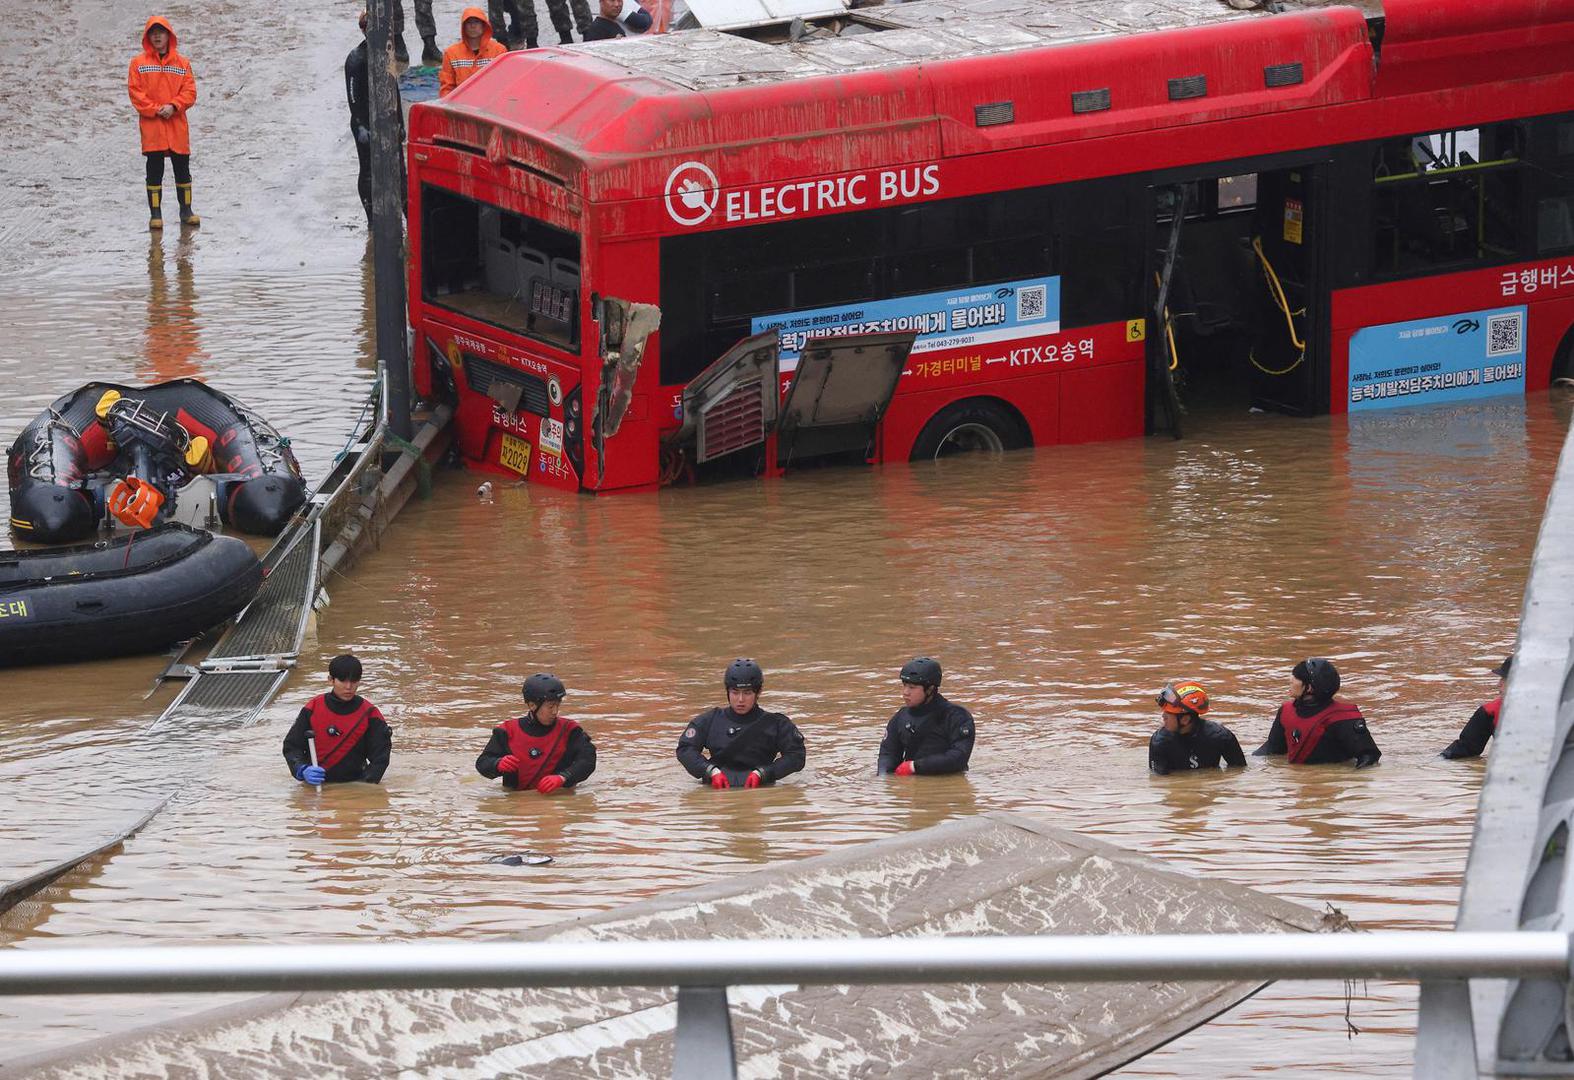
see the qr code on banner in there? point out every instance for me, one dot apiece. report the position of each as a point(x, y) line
point(1504, 334)
point(1030, 303)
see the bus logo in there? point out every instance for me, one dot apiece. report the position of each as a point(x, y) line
point(692, 192)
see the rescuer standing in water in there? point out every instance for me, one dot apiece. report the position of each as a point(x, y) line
point(351, 739)
point(474, 50)
point(539, 750)
point(1482, 725)
point(1185, 740)
point(741, 745)
point(1315, 729)
point(928, 736)
point(163, 88)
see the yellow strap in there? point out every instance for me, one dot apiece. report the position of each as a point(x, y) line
point(1276, 290)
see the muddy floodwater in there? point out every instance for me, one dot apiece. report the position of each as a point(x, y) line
point(1060, 588)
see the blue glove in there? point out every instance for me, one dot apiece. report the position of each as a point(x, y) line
point(311, 774)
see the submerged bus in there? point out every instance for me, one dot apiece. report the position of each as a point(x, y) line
point(930, 227)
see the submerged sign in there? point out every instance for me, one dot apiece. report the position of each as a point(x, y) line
point(1471, 354)
point(955, 319)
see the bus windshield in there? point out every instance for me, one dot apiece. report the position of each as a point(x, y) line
point(502, 268)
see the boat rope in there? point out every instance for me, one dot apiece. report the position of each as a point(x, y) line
point(41, 458)
point(270, 444)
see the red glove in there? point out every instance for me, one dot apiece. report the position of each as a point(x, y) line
point(549, 783)
point(753, 780)
point(718, 780)
point(508, 763)
point(905, 769)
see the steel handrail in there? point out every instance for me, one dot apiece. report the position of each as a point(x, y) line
point(713, 962)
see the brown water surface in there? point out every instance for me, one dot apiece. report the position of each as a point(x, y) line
point(1060, 588)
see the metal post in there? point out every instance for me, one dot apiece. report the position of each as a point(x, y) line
point(1449, 1053)
point(388, 203)
point(703, 1041)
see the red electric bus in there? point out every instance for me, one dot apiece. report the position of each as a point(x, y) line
point(917, 229)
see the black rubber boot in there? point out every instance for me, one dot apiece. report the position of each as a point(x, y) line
point(401, 53)
point(155, 214)
point(565, 38)
point(532, 43)
point(183, 196)
point(431, 55)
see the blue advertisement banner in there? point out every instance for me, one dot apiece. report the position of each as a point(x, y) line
point(955, 319)
point(1472, 354)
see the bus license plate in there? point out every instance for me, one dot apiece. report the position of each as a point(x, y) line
point(515, 454)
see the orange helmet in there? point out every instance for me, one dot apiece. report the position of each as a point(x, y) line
point(1183, 697)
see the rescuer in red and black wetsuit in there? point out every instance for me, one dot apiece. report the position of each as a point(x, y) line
point(351, 738)
point(1187, 741)
point(539, 750)
point(1482, 725)
point(1314, 728)
point(740, 744)
point(929, 736)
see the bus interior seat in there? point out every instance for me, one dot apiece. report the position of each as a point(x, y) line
point(1554, 224)
point(502, 267)
point(1421, 226)
point(565, 274)
point(532, 265)
point(1214, 280)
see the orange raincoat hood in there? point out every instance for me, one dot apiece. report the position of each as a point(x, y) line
point(472, 13)
point(159, 20)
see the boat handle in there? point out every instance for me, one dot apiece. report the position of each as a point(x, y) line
point(89, 605)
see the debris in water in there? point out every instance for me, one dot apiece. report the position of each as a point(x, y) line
point(524, 858)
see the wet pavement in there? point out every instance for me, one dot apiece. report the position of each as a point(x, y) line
point(1060, 588)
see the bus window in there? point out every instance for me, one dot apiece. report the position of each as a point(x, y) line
point(833, 283)
point(502, 268)
point(1552, 151)
point(1447, 198)
point(1237, 192)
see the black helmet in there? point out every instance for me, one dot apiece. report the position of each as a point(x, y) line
point(1319, 675)
point(922, 671)
point(543, 687)
point(744, 673)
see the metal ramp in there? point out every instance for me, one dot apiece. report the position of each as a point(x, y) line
point(250, 662)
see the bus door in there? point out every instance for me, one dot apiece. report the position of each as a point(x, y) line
point(1289, 349)
point(1231, 294)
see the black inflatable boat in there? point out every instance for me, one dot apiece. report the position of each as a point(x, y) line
point(139, 592)
point(67, 465)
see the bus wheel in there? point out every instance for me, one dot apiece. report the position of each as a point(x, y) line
point(1563, 361)
point(970, 427)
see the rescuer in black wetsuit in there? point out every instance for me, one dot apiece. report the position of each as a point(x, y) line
point(541, 749)
point(1187, 741)
point(741, 745)
point(351, 738)
point(1482, 725)
point(928, 736)
point(1315, 729)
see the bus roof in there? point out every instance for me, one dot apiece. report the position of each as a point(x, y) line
point(897, 34)
point(939, 78)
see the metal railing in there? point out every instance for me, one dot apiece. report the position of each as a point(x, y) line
point(702, 970)
point(1520, 876)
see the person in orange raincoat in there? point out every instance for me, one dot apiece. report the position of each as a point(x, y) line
point(162, 88)
point(473, 51)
